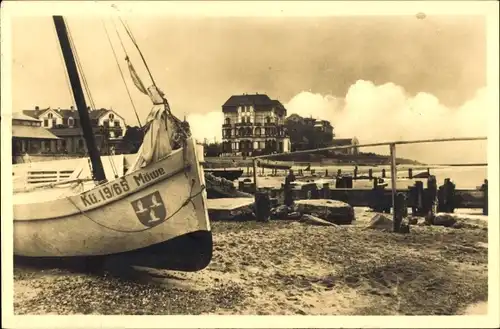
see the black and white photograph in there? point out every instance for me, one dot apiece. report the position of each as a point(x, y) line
point(267, 158)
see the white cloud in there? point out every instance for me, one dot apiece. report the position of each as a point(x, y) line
point(386, 113)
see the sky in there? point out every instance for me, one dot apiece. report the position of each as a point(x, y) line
point(376, 78)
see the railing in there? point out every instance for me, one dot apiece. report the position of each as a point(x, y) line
point(46, 176)
point(392, 149)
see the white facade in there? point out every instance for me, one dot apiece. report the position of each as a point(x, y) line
point(112, 119)
point(50, 119)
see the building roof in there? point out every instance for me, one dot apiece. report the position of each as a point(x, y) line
point(254, 99)
point(21, 116)
point(66, 113)
point(294, 116)
point(278, 104)
point(32, 132)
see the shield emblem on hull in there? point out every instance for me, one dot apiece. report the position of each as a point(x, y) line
point(150, 209)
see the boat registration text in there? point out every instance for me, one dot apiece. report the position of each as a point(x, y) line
point(116, 189)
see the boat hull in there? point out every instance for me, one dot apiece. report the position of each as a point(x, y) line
point(146, 212)
point(188, 252)
point(229, 174)
point(275, 165)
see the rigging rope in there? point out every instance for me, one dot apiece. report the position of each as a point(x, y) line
point(121, 72)
point(80, 69)
point(87, 89)
point(181, 132)
point(125, 26)
point(68, 83)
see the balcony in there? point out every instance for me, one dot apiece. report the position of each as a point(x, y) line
point(268, 135)
point(244, 124)
point(271, 124)
point(226, 125)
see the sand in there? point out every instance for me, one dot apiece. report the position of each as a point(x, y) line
point(287, 267)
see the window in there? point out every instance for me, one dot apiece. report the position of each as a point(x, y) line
point(106, 123)
point(228, 121)
point(45, 122)
point(111, 116)
point(54, 122)
point(80, 143)
point(50, 115)
point(71, 122)
point(117, 123)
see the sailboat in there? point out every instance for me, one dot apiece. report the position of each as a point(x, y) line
point(155, 214)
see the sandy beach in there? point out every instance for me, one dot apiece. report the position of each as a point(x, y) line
point(287, 267)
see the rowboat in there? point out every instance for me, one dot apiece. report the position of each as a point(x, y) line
point(153, 212)
point(281, 165)
point(229, 174)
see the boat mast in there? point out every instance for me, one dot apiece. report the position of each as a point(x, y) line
point(76, 86)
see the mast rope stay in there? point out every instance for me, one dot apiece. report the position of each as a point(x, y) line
point(129, 32)
point(180, 134)
point(175, 120)
point(120, 69)
point(87, 89)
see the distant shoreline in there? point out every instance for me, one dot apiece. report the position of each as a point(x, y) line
point(461, 165)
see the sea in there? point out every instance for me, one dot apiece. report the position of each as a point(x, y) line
point(464, 177)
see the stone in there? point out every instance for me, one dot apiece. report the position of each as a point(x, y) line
point(380, 222)
point(333, 211)
point(294, 215)
point(457, 221)
point(280, 212)
point(442, 219)
point(404, 228)
point(413, 220)
point(310, 219)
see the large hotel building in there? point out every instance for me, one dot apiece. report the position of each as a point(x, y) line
point(254, 124)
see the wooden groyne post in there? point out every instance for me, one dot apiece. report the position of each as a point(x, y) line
point(484, 188)
point(326, 191)
point(254, 164)
point(392, 148)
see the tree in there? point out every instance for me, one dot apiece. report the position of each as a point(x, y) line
point(304, 136)
point(212, 149)
point(132, 140)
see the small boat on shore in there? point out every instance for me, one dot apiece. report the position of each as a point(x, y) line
point(153, 211)
point(274, 164)
point(229, 174)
